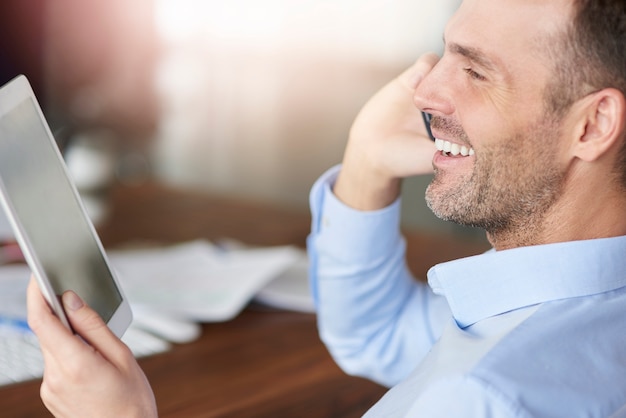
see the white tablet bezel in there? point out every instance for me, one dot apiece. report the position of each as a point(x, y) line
point(12, 94)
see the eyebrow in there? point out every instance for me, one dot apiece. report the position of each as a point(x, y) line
point(474, 54)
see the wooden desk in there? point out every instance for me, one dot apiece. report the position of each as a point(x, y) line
point(263, 363)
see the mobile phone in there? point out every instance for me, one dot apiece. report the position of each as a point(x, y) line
point(427, 117)
point(46, 214)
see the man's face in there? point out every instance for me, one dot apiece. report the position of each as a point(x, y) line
point(487, 99)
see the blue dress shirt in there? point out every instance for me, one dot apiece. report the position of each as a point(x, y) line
point(529, 332)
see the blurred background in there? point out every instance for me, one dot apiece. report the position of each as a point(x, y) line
point(250, 98)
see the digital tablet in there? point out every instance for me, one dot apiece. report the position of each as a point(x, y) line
point(44, 209)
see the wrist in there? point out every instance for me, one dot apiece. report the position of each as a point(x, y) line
point(364, 189)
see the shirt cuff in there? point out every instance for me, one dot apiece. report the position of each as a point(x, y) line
point(349, 234)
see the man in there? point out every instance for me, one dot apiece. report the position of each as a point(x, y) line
point(529, 111)
point(528, 104)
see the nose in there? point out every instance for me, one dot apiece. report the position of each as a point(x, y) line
point(432, 94)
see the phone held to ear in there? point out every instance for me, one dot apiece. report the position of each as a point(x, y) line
point(427, 117)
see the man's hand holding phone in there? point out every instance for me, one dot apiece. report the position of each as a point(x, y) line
point(388, 141)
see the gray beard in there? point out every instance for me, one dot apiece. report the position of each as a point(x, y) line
point(503, 195)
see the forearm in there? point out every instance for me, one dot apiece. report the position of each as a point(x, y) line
point(373, 316)
point(363, 187)
point(370, 318)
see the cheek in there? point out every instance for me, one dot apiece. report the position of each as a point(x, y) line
point(484, 129)
point(491, 114)
point(490, 128)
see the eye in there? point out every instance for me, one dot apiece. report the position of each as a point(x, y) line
point(473, 74)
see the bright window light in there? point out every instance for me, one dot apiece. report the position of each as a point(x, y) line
point(234, 20)
point(356, 26)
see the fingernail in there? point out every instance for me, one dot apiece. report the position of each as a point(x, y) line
point(72, 301)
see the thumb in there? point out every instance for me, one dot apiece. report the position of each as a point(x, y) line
point(88, 324)
point(71, 301)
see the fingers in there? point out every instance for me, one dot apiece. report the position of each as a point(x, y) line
point(41, 319)
point(388, 141)
point(94, 375)
point(89, 325)
point(59, 343)
point(411, 77)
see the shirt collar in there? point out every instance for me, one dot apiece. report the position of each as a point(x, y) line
point(500, 281)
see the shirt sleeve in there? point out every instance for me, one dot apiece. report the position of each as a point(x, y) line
point(373, 316)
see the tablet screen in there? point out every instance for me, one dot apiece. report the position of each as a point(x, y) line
point(48, 212)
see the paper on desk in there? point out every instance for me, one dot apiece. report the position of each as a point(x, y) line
point(198, 280)
point(13, 283)
point(290, 290)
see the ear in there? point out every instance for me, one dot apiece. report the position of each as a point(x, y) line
point(600, 124)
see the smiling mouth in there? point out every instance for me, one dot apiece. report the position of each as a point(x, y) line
point(450, 149)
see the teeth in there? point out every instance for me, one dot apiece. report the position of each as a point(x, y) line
point(454, 149)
